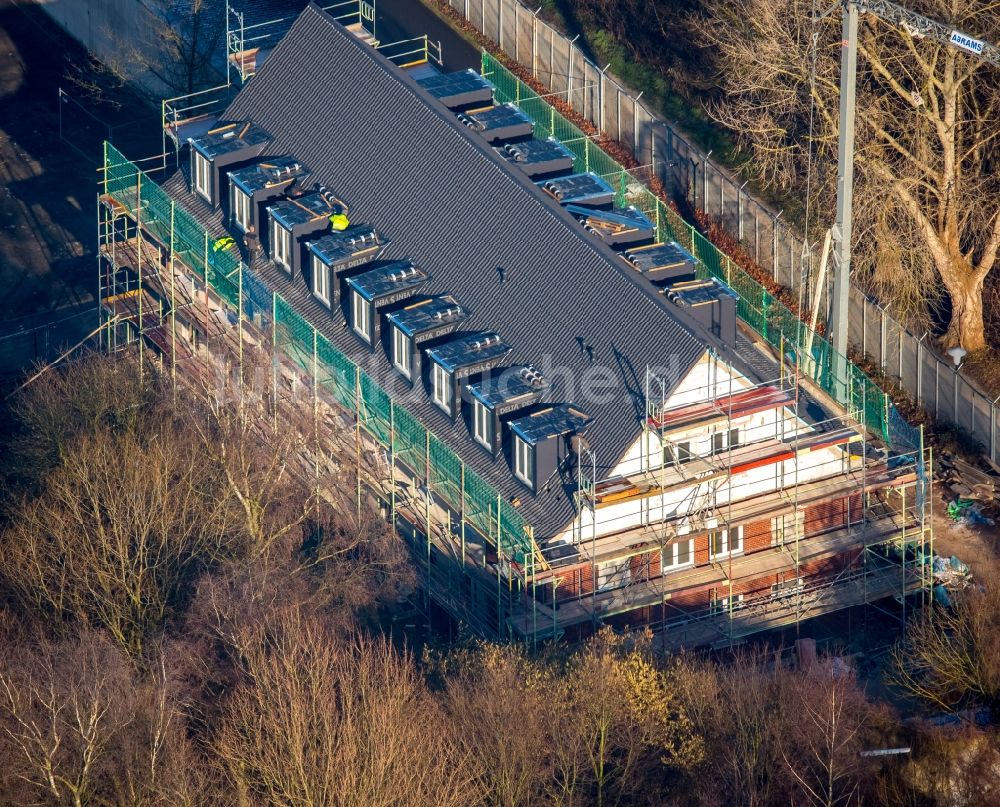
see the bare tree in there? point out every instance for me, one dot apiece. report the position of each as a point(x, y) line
point(927, 188)
point(116, 533)
point(318, 722)
point(501, 704)
point(951, 656)
point(827, 717)
point(185, 39)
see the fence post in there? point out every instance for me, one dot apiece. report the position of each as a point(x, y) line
point(517, 42)
point(864, 326)
point(774, 247)
point(881, 339)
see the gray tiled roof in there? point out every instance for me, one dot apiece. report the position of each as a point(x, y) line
point(448, 202)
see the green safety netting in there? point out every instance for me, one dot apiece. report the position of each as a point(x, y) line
point(446, 473)
point(293, 335)
point(759, 309)
point(375, 410)
point(335, 372)
point(121, 177)
point(240, 289)
point(480, 504)
point(411, 441)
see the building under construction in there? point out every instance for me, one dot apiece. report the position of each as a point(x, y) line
point(576, 410)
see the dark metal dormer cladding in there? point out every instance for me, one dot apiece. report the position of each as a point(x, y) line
point(619, 227)
point(252, 187)
point(460, 358)
point(221, 149)
point(377, 288)
point(465, 88)
point(540, 444)
point(539, 158)
point(711, 303)
point(293, 220)
point(587, 189)
point(418, 323)
point(499, 124)
point(448, 199)
point(496, 398)
point(338, 252)
point(663, 264)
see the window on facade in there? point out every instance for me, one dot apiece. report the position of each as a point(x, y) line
point(721, 441)
point(678, 554)
point(281, 245)
point(524, 461)
point(362, 316)
point(482, 423)
point(722, 542)
point(721, 605)
point(441, 381)
point(241, 209)
point(676, 452)
point(321, 280)
point(202, 175)
point(611, 576)
point(402, 352)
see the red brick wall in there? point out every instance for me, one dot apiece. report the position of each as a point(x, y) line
point(574, 583)
point(701, 550)
point(645, 566)
point(757, 535)
point(831, 515)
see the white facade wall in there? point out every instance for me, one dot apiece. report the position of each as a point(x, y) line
point(709, 378)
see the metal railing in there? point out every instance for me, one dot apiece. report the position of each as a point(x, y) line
point(412, 52)
point(243, 37)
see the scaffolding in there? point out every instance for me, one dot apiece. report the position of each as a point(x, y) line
point(249, 41)
point(167, 291)
point(199, 310)
point(778, 520)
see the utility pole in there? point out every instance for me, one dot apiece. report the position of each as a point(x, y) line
point(918, 27)
point(845, 198)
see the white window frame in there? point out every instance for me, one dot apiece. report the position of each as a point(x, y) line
point(441, 385)
point(524, 460)
point(402, 352)
point(725, 542)
point(202, 175)
point(241, 208)
point(672, 554)
point(281, 245)
point(321, 272)
point(361, 316)
point(482, 424)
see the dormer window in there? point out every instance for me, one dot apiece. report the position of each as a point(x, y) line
point(482, 424)
point(241, 209)
point(524, 460)
point(362, 319)
point(202, 175)
point(321, 280)
point(281, 245)
point(441, 381)
point(402, 352)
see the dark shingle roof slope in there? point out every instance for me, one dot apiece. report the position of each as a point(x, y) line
point(511, 257)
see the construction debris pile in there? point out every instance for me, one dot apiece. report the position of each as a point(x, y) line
point(971, 491)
